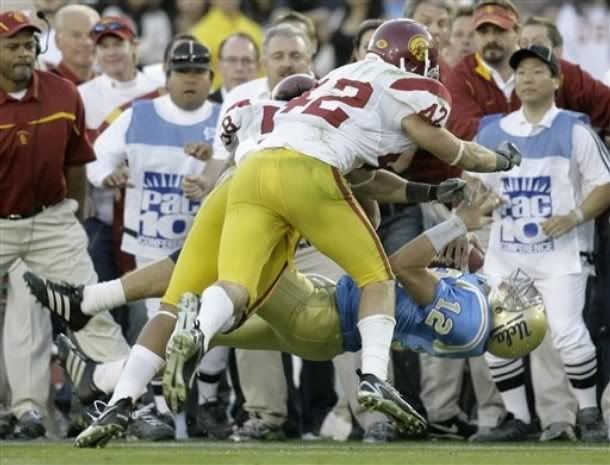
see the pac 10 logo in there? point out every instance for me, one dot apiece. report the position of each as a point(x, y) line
point(528, 204)
point(166, 215)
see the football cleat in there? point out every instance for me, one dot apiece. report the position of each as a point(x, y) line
point(380, 396)
point(63, 299)
point(110, 424)
point(79, 369)
point(591, 425)
point(181, 366)
point(453, 428)
point(147, 425)
point(29, 426)
point(510, 430)
point(210, 420)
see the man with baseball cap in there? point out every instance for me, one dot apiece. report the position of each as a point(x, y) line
point(544, 228)
point(151, 137)
point(42, 182)
point(483, 84)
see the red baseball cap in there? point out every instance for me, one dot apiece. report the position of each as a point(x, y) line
point(497, 15)
point(12, 22)
point(118, 26)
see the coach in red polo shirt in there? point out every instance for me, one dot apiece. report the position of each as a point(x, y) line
point(43, 149)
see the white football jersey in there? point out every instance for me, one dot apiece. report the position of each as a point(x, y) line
point(354, 117)
point(245, 123)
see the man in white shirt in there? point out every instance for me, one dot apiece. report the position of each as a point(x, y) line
point(543, 228)
point(120, 82)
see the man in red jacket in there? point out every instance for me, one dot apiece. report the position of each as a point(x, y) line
point(483, 83)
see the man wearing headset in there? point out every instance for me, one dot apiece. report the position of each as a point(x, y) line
point(42, 181)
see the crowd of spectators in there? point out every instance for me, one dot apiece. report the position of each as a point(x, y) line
point(119, 51)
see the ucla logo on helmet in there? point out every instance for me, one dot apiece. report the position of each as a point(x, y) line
point(381, 43)
point(418, 45)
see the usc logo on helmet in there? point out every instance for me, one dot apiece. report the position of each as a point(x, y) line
point(418, 46)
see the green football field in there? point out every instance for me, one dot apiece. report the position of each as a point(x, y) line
point(302, 453)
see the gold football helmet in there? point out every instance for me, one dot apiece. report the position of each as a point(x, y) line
point(518, 317)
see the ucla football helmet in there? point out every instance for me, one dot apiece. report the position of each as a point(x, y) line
point(518, 317)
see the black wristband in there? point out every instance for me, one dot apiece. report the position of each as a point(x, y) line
point(502, 162)
point(418, 192)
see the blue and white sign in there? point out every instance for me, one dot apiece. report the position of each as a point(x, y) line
point(166, 214)
point(528, 203)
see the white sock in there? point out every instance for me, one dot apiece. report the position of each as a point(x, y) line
point(209, 372)
point(376, 332)
point(586, 397)
point(215, 313)
point(106, 375)
point(141, 367)
point(102, 296)
point(515, 402)
point(160, 403)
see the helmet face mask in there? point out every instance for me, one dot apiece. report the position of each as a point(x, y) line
point(518, 317)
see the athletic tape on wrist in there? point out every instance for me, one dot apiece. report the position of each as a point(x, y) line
point(443, 233)
point(460, 154)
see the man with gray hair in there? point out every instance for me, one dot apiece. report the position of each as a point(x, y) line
point(72, 26)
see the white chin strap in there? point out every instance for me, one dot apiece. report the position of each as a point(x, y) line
point(427, 61)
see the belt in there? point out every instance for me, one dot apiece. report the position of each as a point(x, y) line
point(23, 216)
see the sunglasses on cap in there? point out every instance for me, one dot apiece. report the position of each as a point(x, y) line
point(110, 26)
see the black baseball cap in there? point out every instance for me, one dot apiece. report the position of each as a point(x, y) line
point(536, 51)
point(189, 54)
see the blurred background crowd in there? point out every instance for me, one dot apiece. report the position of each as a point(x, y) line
point(309, 401)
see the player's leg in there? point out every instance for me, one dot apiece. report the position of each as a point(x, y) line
point(195, 267)
point(322, 207)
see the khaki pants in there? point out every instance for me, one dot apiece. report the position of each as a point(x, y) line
point(53, 244)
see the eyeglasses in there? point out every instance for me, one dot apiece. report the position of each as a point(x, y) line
point(111, 26)
point(200, 59)
point(235, 60)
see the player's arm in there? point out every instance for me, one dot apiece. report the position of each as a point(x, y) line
point(387, 187)
point(455, 152)
point(411, 262)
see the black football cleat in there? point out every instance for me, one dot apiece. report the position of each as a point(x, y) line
point(111, 424)
point(510, 430)
point(380, 396)
point(63, 299)
point(79, 368)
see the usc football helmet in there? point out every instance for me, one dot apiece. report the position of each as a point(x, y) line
point(293, 86)
point(407, 45)
point(518, 317)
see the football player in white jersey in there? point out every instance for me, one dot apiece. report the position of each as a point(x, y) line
point(361, 114)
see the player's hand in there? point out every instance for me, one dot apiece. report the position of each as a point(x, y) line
point(557, 226)
point(474, 213)
point(451, 190)
point(508, 156)
point(195, 187)
point(118, 179)
point(199, 150)
point(456, 254)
